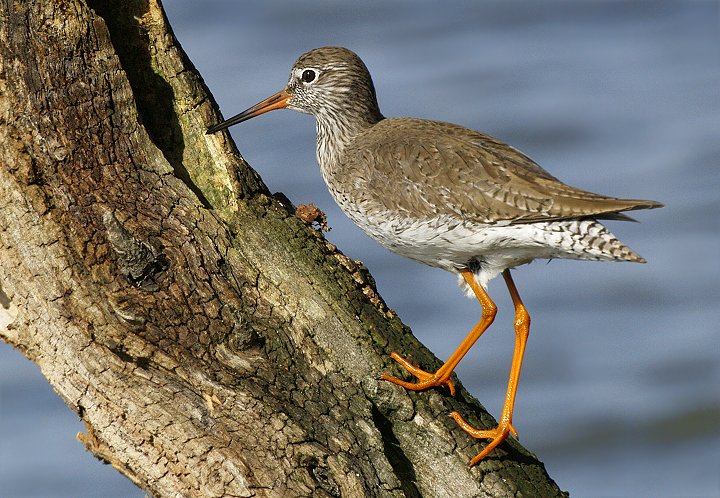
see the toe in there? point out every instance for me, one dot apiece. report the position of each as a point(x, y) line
point(496, 435)
point(425, 380)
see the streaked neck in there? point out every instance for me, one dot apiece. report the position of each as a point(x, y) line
point(336, 130)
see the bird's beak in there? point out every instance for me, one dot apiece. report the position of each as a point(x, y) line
point(277, 101)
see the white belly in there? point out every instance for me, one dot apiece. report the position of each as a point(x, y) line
point(445, 242)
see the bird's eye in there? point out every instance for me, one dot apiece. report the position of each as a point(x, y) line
point(308, 75)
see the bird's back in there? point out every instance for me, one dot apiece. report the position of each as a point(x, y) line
point(425, 168)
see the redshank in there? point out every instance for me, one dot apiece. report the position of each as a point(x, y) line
point(446, 196)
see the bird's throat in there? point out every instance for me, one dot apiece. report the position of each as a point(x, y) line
point(334, 134)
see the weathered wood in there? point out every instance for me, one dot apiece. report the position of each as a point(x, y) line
point(213, 343)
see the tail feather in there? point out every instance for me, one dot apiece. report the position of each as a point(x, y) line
point(599, 241)
point(586, 239)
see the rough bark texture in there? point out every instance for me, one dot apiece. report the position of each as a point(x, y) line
point(213, 343)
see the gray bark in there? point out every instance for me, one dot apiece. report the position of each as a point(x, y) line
point(212, 342)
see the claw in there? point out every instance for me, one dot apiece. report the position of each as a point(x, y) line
point(426, 380)
point(496, 435)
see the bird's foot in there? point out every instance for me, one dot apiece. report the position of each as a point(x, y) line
point(426, 380)
point(496, 435)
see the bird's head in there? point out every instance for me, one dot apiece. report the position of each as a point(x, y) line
point(327, 82)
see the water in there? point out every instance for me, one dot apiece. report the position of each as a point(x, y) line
point(620, 392)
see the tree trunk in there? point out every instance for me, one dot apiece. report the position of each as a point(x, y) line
point(213, 343)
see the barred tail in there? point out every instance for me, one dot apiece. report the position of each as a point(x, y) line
point(588, 239)
point(601, 242)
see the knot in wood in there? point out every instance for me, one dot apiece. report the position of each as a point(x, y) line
point(137, 260)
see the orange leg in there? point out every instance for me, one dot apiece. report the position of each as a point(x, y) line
point(442, 376)
point(504, 428)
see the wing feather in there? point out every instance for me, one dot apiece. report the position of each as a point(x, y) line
point(447, 169)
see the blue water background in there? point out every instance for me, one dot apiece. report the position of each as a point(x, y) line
point(620, 391)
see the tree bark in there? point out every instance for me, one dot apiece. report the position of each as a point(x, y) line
point(212, 342)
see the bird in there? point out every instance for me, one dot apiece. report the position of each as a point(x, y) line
point(446, 196)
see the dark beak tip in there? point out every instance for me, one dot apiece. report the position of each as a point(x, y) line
point(215, 128)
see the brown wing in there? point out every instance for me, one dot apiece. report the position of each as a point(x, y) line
point(431, 168)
